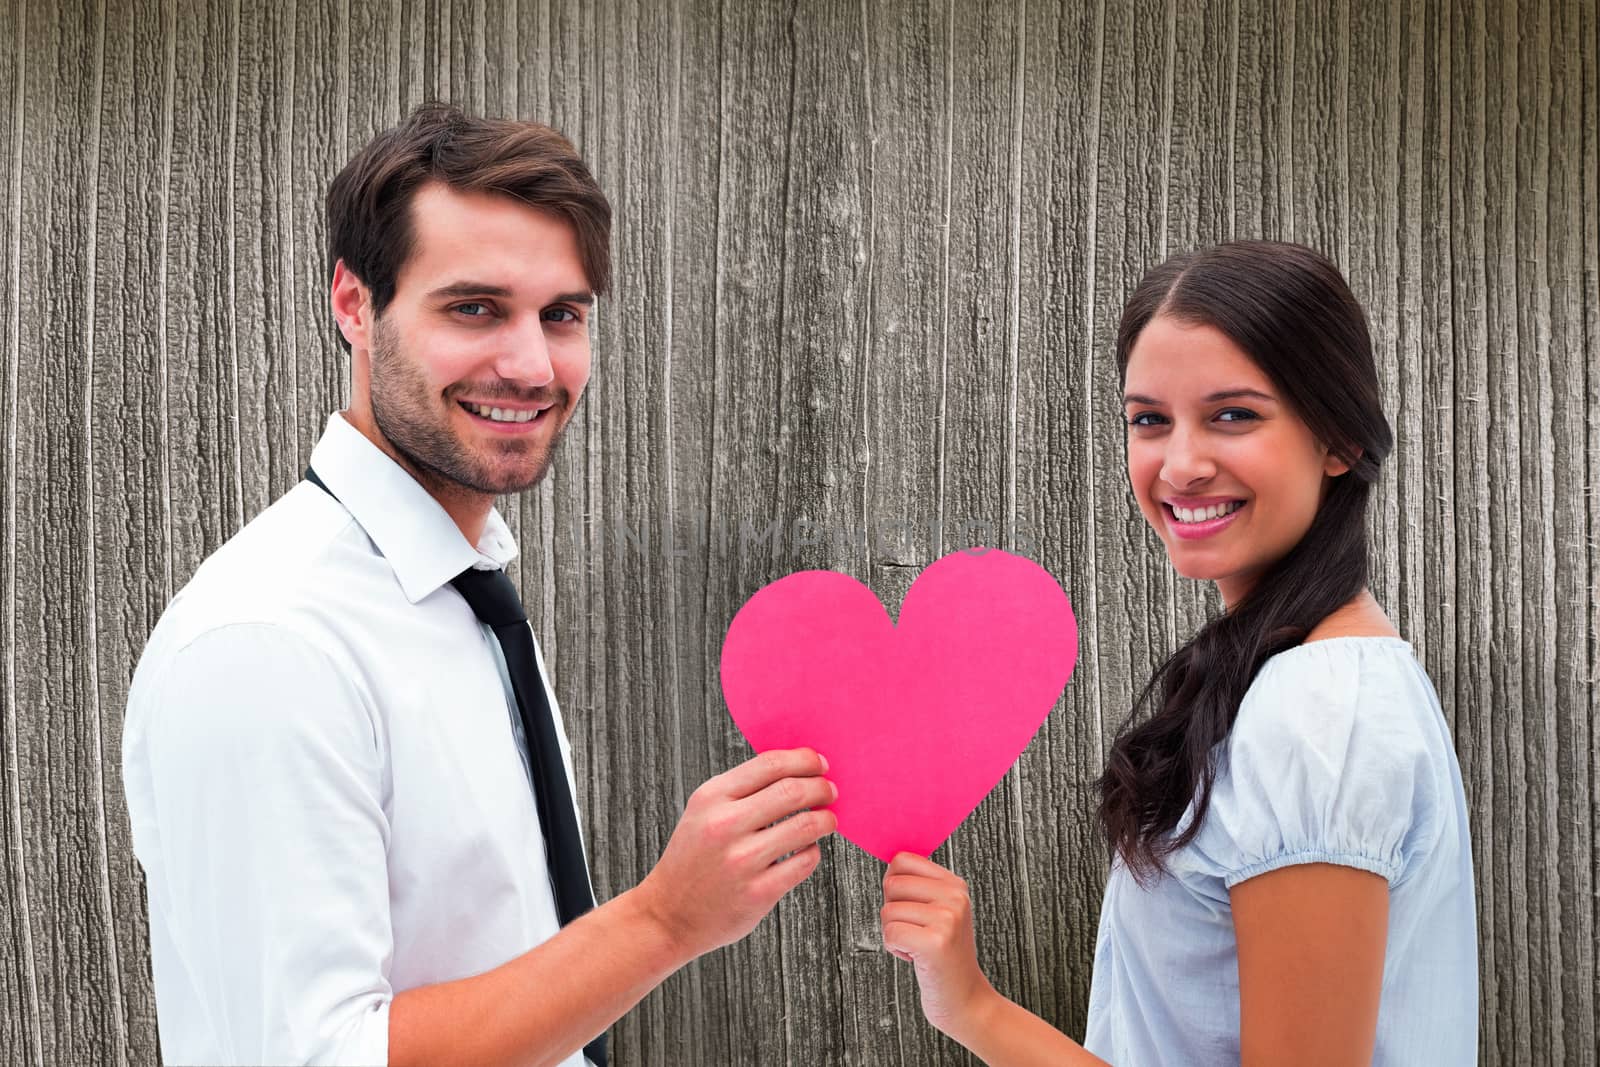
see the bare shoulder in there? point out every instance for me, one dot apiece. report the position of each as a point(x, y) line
point(1361, 617)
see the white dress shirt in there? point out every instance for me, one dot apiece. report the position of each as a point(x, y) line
point(324, 784)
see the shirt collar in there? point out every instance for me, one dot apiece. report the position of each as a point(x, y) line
point(417, 536)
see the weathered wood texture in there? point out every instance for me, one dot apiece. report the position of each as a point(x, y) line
point(869, 260)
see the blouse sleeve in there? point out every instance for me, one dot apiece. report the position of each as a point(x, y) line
point(1328, 762)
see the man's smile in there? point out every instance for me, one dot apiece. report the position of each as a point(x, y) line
point(508, 417)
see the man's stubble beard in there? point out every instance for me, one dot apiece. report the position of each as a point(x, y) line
point(405, 414)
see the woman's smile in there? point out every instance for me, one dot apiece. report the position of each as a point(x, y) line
point(1193, 521)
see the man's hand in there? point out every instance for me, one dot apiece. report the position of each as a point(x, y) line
point(719, 875)
point(739, 847)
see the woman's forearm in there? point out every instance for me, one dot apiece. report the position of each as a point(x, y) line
point(1002, 1033)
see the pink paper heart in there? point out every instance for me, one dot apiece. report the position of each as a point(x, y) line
point(918, 721)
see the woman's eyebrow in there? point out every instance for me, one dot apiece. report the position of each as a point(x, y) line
point(1224, 394)
point(1229, 394)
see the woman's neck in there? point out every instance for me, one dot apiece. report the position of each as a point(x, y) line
point(1362, 616)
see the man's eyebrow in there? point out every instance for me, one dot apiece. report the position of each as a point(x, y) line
point(456, 290)
point(1225, 394)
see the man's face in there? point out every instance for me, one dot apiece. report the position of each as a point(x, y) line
point(479, 361)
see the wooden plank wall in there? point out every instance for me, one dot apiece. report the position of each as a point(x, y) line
point(870, 258)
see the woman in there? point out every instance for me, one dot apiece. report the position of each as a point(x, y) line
point(1291, 873)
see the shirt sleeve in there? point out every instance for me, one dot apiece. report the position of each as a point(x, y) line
point(1325, 764)
point(266, 776)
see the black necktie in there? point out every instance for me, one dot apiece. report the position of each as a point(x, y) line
point(495, 602)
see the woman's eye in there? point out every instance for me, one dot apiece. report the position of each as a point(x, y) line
point(1146, 418)
point(1236, 415)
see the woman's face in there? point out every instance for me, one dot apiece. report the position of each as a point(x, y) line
point(1222, 466)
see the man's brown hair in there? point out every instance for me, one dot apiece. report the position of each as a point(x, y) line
point(369, 203)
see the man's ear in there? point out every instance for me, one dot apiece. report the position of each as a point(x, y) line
point(351, 301)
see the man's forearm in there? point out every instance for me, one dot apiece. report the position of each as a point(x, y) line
point(746, 837)
point(544, 1005)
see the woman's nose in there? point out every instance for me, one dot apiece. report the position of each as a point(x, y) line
point(1187, 460)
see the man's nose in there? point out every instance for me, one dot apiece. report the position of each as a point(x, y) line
point(526, 357)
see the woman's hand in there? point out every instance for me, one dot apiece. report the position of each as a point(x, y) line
point(927, 920)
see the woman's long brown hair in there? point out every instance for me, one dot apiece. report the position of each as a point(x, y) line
point(1289, 309)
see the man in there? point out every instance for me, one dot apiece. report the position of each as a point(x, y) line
point(349, 788)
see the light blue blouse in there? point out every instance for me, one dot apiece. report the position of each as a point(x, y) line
point(1340, 754)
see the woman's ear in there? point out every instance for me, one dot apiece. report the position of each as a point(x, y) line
point(1333, 465)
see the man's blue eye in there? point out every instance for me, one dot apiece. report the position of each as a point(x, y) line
point(570, 315)
point(483, 309)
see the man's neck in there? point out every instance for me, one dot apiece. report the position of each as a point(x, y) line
point(469, 510)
